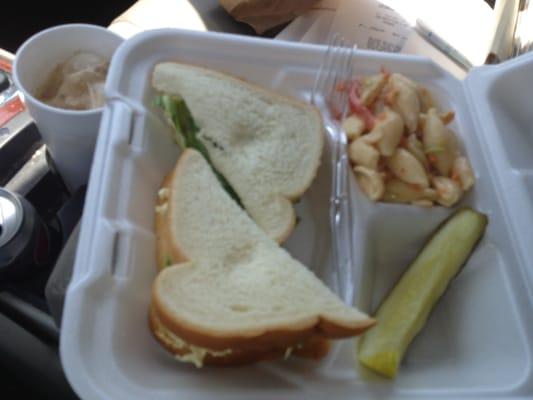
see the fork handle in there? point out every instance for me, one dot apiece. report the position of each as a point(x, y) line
point(341, 219)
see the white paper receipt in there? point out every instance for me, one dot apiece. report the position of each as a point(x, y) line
point(372, 25)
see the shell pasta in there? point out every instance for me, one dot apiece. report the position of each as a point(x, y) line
point(400, 145)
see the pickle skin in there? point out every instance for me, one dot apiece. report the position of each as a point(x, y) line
point(406, 309)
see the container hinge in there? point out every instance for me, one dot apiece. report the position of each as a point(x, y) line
point(119, 256)
point(129, 120)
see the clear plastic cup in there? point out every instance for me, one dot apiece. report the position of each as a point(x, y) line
point(70, 135)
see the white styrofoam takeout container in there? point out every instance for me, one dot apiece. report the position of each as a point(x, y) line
point(478, 341)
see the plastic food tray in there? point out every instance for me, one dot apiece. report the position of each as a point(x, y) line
point(478, 341)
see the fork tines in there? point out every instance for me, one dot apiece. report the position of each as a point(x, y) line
point(334, 73)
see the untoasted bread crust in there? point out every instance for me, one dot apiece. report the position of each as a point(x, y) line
point(166, 253)
point(275, 337)
point(289, 227)
point(165, 246)
point(315, 348)
point(298, 191)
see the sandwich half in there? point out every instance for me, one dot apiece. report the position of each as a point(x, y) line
point(267, 146)
point(232, 294)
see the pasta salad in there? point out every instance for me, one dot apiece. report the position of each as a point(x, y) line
point(400, 145)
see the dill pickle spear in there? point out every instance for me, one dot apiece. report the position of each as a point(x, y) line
point(405, 310)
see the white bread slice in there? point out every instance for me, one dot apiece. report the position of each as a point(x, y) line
point(267, 146)
point(236, 289)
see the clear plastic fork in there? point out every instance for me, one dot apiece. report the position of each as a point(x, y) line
point(330, 96)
